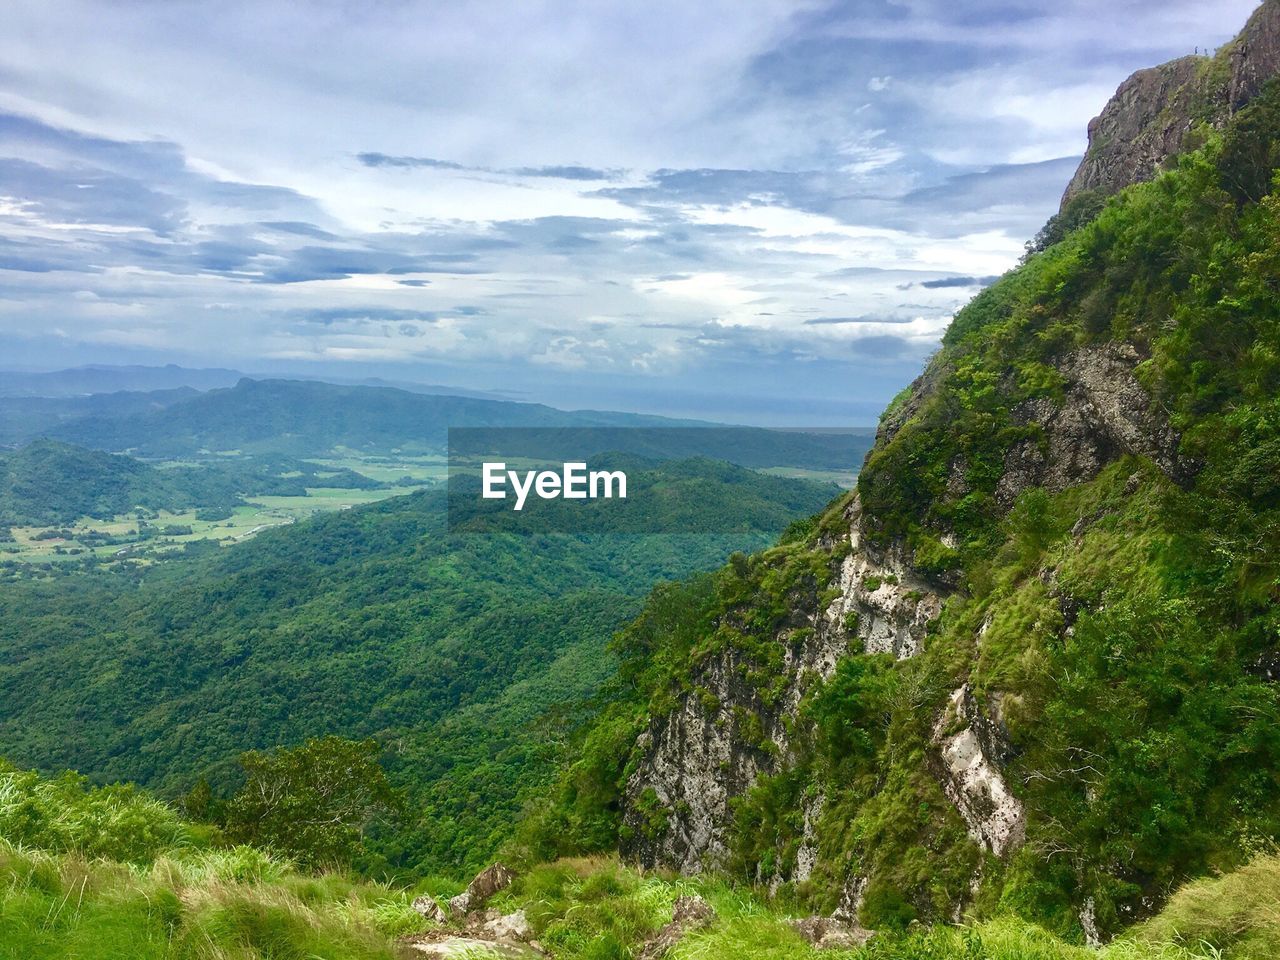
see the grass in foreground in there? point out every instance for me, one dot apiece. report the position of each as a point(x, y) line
point(208, 905)
point(595, 909)
point(112, 874)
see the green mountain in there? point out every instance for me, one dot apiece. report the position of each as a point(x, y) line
point(1028, 666)
point(451, 650)
point(1013, 696)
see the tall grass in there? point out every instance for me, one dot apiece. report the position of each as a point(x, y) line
point(596, 909)
point(212, 905)
point(65, 814)
point(110, 873)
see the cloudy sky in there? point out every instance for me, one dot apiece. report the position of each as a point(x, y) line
point(755, 210)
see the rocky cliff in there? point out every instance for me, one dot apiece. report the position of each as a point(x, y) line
point(1019, 664)
point(1156, 113)
point(719, 742)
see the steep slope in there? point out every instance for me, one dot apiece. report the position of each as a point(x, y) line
point(1027, 665)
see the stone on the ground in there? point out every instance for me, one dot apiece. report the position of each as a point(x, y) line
point(827, 933)
point(428, 907)
point(485, 885)
point(688, 913)
point(512, 927)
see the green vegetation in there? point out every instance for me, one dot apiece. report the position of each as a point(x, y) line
point(24, 418)
point(112, 874)
point(594, 909)
point(467, 657)
point(47, 483)
point(312, 803)
point(62, 505)
point(1120, 631)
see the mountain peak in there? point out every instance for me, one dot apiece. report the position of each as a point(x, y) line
point(1154, 114)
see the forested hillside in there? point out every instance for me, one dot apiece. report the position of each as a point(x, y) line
point(24, 418)
point(47, 483)
point(373, 622)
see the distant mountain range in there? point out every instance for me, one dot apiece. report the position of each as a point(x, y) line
point(110, 378)
point(309, 418)
point(82, 381)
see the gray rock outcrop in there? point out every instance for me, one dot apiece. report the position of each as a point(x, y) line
point(971, 749)
point(1104, 413)
point(829, 933)
point(1152, 115)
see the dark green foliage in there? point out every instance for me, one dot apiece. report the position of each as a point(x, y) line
point(47, 483)
point(313, 802)
point(1083, 208)
point(1251, 148)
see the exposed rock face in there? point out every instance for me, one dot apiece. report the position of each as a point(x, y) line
point(892, 605)
point(1141, 127)
point(971, 749)
point(698, 758)
point(695, 760)
point(716, 745)
point(1148, 120)
point(1254, 56)
point(1104, 413)
point(807, 855)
